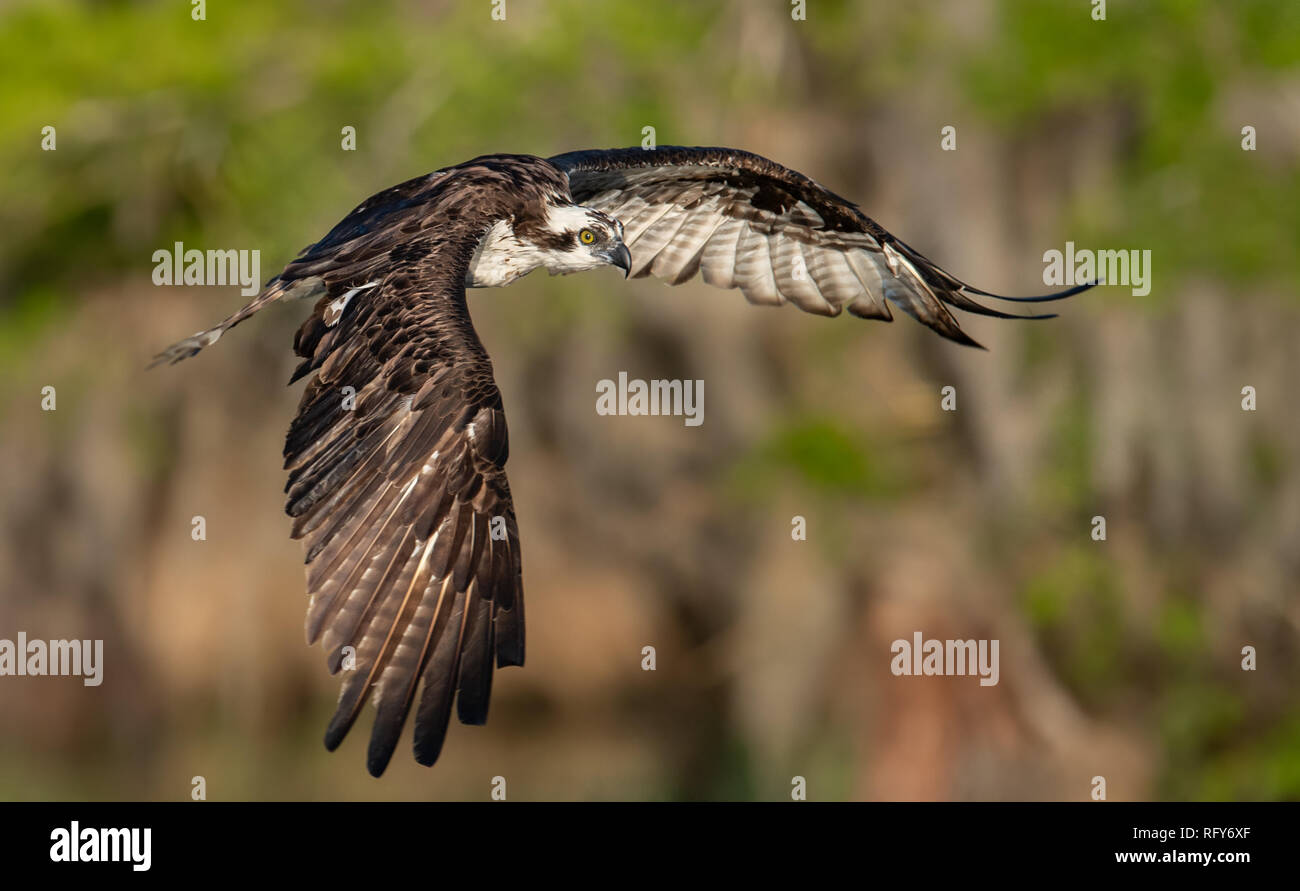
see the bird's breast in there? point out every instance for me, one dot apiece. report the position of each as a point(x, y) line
point(500, 258)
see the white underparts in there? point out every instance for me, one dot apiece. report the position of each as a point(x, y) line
point(501, 257)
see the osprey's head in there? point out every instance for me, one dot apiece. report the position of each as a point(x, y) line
point(564, 238)
point(572, 238)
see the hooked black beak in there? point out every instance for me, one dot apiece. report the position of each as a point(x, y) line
point(622, 258)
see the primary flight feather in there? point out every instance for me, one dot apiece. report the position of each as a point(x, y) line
point(397, 486)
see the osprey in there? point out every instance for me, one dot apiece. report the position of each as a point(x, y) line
point(396, 459)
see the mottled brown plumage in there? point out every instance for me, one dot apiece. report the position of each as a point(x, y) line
point(396, 459)
point(396, 498)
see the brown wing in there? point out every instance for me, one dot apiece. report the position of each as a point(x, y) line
point(398, 490)
point(742, 221)
point(366, 236)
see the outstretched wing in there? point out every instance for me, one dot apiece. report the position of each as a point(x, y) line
point(742, 221)
point(398, 490)
point(372, 234)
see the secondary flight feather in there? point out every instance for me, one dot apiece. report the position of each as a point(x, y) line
point(399, 491)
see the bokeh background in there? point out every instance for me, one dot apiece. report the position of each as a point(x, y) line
point(1118, 658)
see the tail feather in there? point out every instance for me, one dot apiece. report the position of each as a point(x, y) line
point(275, 290)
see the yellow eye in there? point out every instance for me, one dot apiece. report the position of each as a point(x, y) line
point(586, 236)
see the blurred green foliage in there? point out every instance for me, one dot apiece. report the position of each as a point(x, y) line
point(1190, 193)
point(824, 456)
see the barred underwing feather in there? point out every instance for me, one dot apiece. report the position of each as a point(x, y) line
point(718, 265)
point(754, 270)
